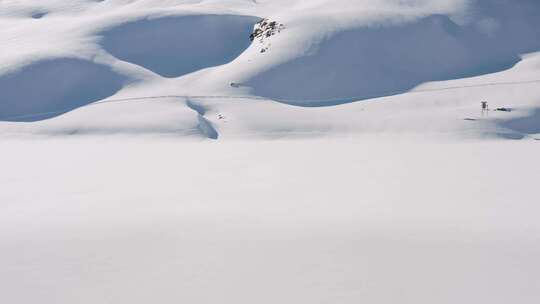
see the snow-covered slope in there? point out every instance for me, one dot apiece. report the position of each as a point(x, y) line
point(151, 152)
point(138, 220)
point(327, 53)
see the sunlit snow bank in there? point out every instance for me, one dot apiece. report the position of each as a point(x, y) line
point(138, 221)
point(327, 53)
point(391, 200)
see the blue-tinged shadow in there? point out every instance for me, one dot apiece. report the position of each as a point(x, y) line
point(176, 46)
point(48, 88)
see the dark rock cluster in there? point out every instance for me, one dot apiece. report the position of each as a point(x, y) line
point(264, 29)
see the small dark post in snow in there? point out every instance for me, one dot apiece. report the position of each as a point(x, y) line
point(484, 107)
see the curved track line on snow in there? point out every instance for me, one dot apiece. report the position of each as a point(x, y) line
point(292, 102)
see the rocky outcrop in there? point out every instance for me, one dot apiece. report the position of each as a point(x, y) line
point(265, 29)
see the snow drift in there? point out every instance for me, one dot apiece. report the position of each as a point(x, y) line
point(391, 57)
point(51, 87)
point(127, 200)
point(525, 124)
point(175, 46)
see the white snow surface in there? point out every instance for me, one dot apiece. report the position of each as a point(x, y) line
point(151, 153)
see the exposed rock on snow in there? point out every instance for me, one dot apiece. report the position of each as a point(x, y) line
point(364, 62)
point(171, 180)
point(330, 53)
point(265, 29)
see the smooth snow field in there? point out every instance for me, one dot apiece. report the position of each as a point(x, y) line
point(151, 152)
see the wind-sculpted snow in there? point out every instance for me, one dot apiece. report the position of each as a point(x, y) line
point(193, 188)
point(522, 126)
point(368, 62)
point(39, 14)
point(314, 61)
point(175, 46)
point(54, 86)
